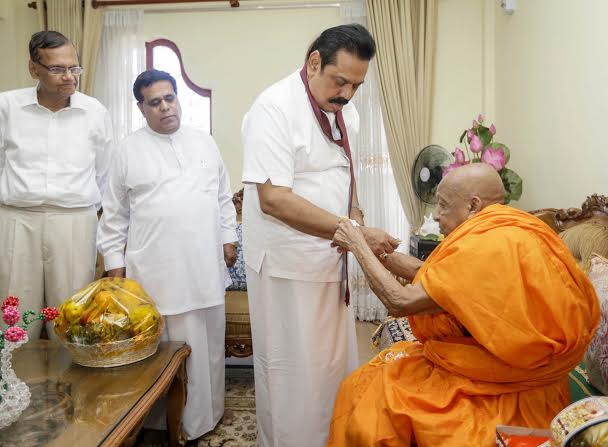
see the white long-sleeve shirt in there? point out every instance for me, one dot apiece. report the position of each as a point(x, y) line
point(168, 201)
point(53, 158)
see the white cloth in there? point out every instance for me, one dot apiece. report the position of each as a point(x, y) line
point(121, 57)
point(376, 187)
point(304, 345)
point(53, 158)
point(204, 330)
point(48, 254)
point(169, 201)
point(283, 142)
point(303, 335)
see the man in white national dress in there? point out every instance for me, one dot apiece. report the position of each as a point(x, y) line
point(297, 140)
point(169, 201)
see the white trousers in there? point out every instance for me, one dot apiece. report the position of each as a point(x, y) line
point(204, 330)
point(47, 254)
point(304, 345)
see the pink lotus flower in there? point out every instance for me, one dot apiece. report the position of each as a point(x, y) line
point(475, 124)
point(450, 168)
point(480, 118)
point(15, 334)
point(476, 145)
point(11, 315)
point(459, 156)
point(470, 135)
point(493, 129)
point(494, 157)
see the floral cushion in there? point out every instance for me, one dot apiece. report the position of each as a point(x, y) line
point(596, 358)
point(391, 331)
point(237, 271)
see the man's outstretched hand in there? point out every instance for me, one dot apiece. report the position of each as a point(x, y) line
point(379, 241)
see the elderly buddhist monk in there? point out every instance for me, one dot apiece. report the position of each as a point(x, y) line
point(502, 314)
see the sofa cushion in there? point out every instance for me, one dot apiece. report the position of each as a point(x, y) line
point(237, 271)
point(585, 239)
point(596, 357)
point(237, 314)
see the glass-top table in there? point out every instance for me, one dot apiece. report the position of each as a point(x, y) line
point(75, 405)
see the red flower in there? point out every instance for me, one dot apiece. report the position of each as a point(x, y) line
point(50, 313)
point(15, 334)
point(10, 301)
point(10, 315)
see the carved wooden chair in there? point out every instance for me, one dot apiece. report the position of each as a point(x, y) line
point(584, 230)
point(593, 209)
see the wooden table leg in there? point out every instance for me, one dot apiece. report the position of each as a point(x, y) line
point(176, 401)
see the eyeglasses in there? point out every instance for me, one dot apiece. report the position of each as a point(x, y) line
point(58, 71)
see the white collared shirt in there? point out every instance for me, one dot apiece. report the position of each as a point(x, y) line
point(169, 201)
point(283, 142)
point(53, 158)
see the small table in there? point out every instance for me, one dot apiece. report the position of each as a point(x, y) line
point(73, 405)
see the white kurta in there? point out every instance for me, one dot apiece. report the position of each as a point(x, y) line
point(304, 339)
point(169, 201)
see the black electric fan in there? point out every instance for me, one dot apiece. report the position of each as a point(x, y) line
point(427, 172)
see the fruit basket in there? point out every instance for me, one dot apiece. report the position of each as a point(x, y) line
point(111, 322)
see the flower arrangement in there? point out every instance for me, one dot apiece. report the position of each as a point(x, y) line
point(14, 393)
point(11, 316)
point(480, 148)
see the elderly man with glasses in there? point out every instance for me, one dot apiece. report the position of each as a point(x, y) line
point(55, 146)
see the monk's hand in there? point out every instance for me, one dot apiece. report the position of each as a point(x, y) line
point(229, 254)
point(379, 241)
point(347, 235)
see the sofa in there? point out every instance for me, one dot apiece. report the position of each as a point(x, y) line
point(585, 231)
point(238, 326)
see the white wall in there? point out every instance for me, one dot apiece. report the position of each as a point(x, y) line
point(457, 97)
point(237, 54)
point(17, 24)
point(552, 98)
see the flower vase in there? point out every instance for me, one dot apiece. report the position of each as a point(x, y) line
point(14, 393)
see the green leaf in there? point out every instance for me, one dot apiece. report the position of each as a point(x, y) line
point(504, 148)
point(462, 136)
point(484, 135)
point(512, 183)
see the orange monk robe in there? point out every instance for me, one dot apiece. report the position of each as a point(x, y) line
point(519, 314)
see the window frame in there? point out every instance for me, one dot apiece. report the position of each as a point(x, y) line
point(205, 92)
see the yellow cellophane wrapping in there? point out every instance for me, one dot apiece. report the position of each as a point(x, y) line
point(110, 322)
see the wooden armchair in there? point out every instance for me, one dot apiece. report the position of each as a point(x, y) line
point(593, 209)
point(584, 230)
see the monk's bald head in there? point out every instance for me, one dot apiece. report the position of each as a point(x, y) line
point(464, 192)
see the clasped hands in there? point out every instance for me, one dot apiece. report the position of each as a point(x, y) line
point(350, 237)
